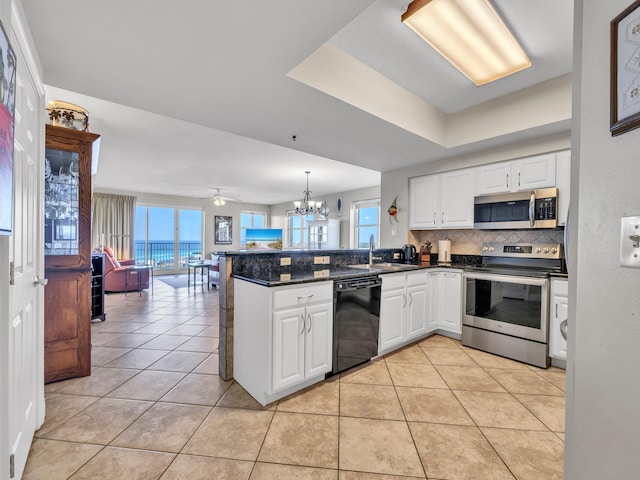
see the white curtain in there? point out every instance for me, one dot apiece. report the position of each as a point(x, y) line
point(112, 223)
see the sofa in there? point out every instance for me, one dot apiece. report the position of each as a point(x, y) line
point(115, 273)
point(214, 270)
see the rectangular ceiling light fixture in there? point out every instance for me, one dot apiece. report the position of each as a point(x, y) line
point(470, 35)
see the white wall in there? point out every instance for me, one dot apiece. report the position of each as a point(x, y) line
point(603, 391)
point(278, 212)
point(396, 182)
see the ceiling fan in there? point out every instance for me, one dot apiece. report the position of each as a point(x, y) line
point(219, 199)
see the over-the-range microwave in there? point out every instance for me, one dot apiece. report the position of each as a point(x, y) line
point(528, 209)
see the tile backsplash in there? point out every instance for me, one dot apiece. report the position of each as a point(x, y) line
point(469, 242)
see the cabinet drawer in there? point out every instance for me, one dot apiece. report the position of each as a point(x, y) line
point(560, 287)
point(417, 278)
point(393, 280)
point(302, 295)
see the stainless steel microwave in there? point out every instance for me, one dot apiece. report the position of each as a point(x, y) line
point(530, 209)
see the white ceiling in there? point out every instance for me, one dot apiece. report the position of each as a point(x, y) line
point(200, 94)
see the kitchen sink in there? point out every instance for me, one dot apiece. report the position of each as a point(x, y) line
point(385, 266)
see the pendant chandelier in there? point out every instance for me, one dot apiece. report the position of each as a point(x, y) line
point(306, 206)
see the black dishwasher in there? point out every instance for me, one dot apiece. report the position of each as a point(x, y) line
point(356, 321)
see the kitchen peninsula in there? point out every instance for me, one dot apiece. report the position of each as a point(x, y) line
point(276, 311)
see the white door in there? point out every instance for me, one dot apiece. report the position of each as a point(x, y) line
point(457, 189)
point(424, 201)
point(416, 311)
point(452, 299)
point(288, 347)
point(392, 318)
point(318, 340)
point(22, 386)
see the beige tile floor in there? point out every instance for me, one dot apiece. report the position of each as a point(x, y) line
point(155, 408)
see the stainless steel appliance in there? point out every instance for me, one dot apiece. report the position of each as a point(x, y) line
point(530, 209)
point(356, 321)
point(506, 300)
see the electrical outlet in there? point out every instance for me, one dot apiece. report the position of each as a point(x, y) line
point(326, 260)
point(285, 261)
point(630, 242)
point(321, 273)
point(285, 277)
point(396, 256)
point(318, 260)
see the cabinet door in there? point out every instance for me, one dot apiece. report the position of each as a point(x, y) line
point(494, 178)
point(534, 172)
point(452, 302)
point(559, 313)
point(318, 339)
point(457, 189)
point(416, 311)
point(392, 304)
point(288, 347)
point(433, 302)
point(424, 202)
point(563, 182)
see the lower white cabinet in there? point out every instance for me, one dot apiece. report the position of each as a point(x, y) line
point(445, 301)
point(282, 337)
point(559, 313)
point(403, 308)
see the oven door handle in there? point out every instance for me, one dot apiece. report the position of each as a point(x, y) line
point(496, 277)
point(532, 209)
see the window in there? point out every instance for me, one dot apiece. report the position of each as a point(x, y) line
point(251, 220)
point(297, 229)
point(366, 222)
point(159, 243)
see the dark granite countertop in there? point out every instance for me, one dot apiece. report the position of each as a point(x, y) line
point(283, 276)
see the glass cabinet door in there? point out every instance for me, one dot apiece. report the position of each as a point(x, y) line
point(61, 204)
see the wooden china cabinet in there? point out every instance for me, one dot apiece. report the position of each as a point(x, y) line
point(67, 227)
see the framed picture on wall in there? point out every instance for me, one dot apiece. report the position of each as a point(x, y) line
point(625, 71)
point(7, 114)
point(223, 230)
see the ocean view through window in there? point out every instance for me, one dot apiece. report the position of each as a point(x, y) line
point(157, 242)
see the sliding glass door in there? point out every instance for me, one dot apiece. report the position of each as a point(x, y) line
point(167, 238)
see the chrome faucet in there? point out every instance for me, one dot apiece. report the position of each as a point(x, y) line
point(372, 242)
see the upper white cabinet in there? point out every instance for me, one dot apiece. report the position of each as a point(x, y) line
point(443, 200)
point(563, 182)
point(516, 175)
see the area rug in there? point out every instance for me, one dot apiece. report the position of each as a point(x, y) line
point(175, 281)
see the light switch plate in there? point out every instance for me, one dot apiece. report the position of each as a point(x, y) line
point(630, 242)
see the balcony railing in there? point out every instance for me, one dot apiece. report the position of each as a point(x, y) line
point(161, 254)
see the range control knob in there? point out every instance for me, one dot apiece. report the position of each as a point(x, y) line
point(538, 250)
point(485, 249)
point(546, 250)
point(491, 249)
point(554, 250)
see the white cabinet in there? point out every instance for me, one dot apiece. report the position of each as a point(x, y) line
point(445, 301)
point(424, 201)
point(517, 175)
point(559, 313)
point(282, 337)
point(324, 234)
point(563, 182)
point(443, 200)
point(403, 308)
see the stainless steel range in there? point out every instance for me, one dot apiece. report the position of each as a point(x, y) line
point(506, 300)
